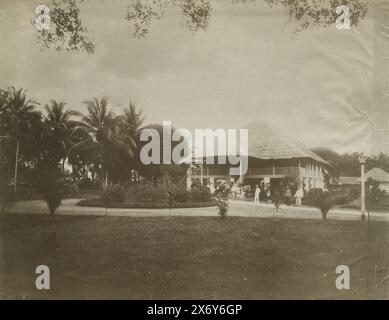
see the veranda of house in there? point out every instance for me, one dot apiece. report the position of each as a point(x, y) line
point(278, 172)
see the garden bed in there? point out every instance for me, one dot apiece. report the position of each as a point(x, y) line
point(93, 202)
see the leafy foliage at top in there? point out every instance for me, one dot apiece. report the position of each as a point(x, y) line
point(140, 14)
point(66, 29)
point(69, 33)
point(320, 12)
point(197, 13)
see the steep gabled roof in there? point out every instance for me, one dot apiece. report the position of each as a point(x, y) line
point(266, 142)
point(377, 174)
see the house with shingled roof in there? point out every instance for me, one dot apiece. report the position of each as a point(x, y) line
point(379, 175)
point(273, 157)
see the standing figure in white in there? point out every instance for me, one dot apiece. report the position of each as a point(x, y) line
point(299, 196)
point(256, 194)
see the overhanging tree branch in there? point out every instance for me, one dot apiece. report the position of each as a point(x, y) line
point(69, 34)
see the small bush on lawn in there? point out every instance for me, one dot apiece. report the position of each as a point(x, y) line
point(321, 199)
point(325, 200)
point(113, 194)
point(222, 193)
point(50, 183)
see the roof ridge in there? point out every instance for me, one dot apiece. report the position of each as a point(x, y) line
point(299, 148)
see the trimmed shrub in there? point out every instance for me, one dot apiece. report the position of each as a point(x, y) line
point(321, 199)
point(50, 183)
point(222, 193)
point(325, 200)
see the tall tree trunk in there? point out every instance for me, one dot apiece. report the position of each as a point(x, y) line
point(16, 164)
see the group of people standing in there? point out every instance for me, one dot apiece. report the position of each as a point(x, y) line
point(265, 193)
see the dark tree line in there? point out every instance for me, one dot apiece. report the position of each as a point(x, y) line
point(36, 145)
point(348, 164)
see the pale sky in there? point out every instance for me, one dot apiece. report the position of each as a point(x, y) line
point(249, 65)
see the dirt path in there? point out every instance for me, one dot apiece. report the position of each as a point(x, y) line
point(237, 208)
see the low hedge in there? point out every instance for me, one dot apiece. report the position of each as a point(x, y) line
point(94, 202)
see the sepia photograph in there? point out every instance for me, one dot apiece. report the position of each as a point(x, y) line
point(207, 151)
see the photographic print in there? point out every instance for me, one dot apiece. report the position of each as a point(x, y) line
point(202, 150)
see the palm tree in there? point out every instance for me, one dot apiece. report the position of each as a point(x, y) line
point(132, 121)
point(102, 138)
point(60, 128)
point(18, 116)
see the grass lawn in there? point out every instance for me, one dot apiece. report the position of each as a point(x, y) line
point(192, 258)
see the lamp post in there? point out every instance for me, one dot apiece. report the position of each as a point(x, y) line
point(362, 161)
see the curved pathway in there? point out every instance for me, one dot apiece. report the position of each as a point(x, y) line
point(237, 208)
